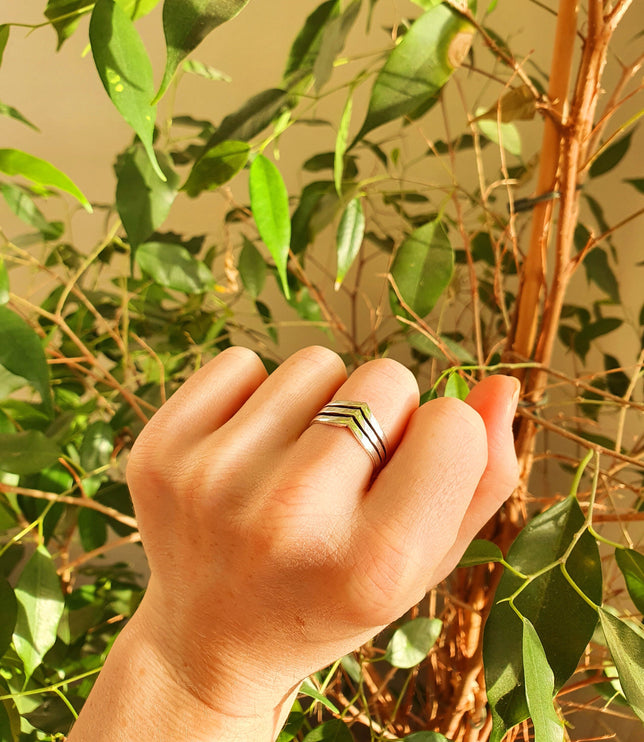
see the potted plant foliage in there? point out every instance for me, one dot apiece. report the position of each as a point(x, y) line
point(419, 225)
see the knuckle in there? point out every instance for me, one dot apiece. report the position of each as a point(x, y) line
point(457, 417)
point(391, 371)
point(242, 353)
point(318, 355)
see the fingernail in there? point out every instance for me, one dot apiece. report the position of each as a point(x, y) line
point(514, 398)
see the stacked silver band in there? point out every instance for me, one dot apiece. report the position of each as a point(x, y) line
point(358, 418)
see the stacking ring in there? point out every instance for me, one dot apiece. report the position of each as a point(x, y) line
point(358, 418)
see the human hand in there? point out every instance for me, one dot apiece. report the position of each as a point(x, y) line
point(272, 553)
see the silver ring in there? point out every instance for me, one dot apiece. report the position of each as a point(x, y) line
point(358, 418)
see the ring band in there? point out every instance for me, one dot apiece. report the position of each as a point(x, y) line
point(358, 418)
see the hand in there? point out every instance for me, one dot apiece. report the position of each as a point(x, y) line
point(272, 552)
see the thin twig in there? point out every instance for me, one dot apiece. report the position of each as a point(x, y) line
point(79, 502)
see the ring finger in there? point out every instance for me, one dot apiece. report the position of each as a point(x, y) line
point(331, 459)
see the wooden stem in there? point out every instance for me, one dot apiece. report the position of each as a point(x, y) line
point(534, 268)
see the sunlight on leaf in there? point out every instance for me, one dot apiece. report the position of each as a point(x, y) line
point(125, 70)
point(269, 204)
point(631, 564)
point(627, 649)
point(186, 25)
point(16, 162)
point(422, 268)
point(411, 643)
point(540, 688)
point(40, 607)
point(349, 238)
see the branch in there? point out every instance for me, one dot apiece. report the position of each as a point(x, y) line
point(614, 102)
point(541, 422)
point(534, 268)
point(617, 13)
point(80, 502)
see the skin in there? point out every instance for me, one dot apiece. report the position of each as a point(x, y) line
point(272, 551)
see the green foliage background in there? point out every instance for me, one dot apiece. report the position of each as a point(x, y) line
point(378, 247)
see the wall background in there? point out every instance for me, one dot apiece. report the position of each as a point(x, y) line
point(81, 132)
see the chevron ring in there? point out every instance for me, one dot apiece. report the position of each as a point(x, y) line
point(358, 418)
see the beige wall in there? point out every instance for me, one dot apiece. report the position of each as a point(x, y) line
point(81, 131)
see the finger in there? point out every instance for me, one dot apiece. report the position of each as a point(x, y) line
point(412, 514)
point(495, 399)
point(206, 401)
point(329, 458)
point(281, 408)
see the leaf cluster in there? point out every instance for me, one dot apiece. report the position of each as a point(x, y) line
point(382, 246)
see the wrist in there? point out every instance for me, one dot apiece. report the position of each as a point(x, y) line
point(140, 694)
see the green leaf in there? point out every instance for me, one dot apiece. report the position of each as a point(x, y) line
point(267, 318)
point(352, 667)
point(97, 446)
point(518, 104)
point(9, 716)
point(8, 614)
point(174, 267)
point(21, 353)
point(4, 283)
point(14, 113)
point(308, 689)
point(269, 204)
point(540, 688)
point(330, 731)
point(136, 9)
point(505, 135)
point(41, 172)
point(92, 529)
point(40, 607)
point(143, 200)
point(480, 551)
point(65, 16)
point(637, 183)
point(616, 380)
point(422, 268)
point(307, 220)
point(611, 156)
point(27, 452)
point(252, 118)
point(24, 208)
point(631, 564)
point(125, 70)
point(341, 143)
point(332, 42)
point(217, 166)
point(306, 306)
point(563, 620)
point(195, 67)
point(349, 238)
point(599, 272)
point(627, 650)
point(305, 48)
point(294, 723)
point(186, 25)
point(427, 4)
point(252, 268)
point(425, 737)
point(5, 28)
point(424, 344)
point(456, 386)
point(411, 643)
point(418, 67)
